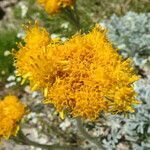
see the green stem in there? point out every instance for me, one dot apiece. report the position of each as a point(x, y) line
point(22, 138)
point(73, 17)
point(91, 139)
point(77, 17)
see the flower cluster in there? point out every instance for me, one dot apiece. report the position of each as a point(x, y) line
point(11, 112)
point(54, 6)
point(84, 75)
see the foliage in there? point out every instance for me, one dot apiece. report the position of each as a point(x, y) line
point(7, 42)
point(105, 9)
point(131, 34)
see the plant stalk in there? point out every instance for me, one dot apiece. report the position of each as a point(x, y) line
point(73, 17)
point(87, 136)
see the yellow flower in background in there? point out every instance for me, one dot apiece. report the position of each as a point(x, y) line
point(54, 6)
point(11, 112)
point(84, 75)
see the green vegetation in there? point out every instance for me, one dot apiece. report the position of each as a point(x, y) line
point(8, 41)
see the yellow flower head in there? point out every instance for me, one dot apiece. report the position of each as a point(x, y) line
point(29, 56)
point(96, 78)
point(84, 75)
point(54, 6)
point(11, 112)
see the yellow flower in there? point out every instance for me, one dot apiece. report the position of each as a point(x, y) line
point(29, 56)
point(84, 75)
point(54, 6)
point(11, 112)
point(96, 78)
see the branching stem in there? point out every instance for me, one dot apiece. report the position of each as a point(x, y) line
point(87, 136)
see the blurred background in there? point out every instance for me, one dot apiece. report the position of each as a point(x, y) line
point(128, 24)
